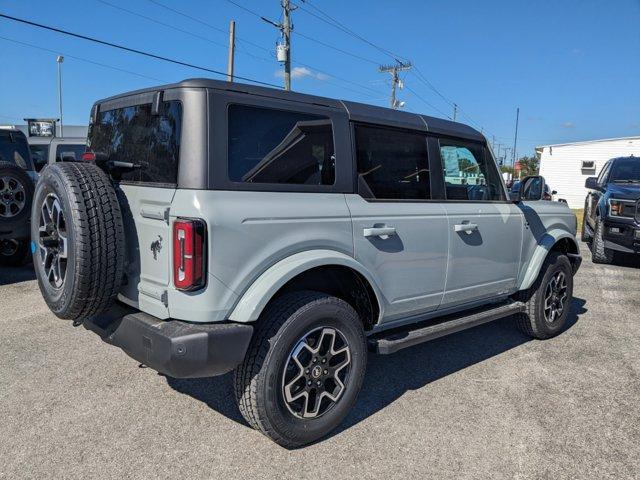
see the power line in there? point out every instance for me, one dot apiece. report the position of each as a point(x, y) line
point(340, 26)
point(38, 47)
point(213, 27)
point(427, 103)
point(158, 22)
point(131, 50)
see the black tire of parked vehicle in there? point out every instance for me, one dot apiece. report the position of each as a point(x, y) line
point(259, 383)
point(94, 233)
point(584, 234)
point(20, 188)
point(532, 321)
point(600, 254)
point(14, 253)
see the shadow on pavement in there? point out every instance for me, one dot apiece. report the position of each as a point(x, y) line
point(389, 377)
point(626, 260)
point(9, 275)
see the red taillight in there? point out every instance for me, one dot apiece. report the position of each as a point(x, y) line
point(88, 157)
point(189, 237)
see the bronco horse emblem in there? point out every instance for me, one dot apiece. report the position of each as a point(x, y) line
point(156, 247)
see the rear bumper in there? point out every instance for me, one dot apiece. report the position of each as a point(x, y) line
point(173, 347)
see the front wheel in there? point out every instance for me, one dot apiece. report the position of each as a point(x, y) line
point(599, 253)
point(304, 368)
point(548, 301)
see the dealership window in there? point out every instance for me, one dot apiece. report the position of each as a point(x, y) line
point(470, 172)
point(392, 164)
point(282, 147)
point(135, 135)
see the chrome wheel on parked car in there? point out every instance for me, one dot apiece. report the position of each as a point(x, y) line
point(13, 196)
point(555, 297)
point(52, 241)
point(315, 374)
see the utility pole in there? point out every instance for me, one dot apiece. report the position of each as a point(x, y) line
point(59, 60)
point(515, 139)
point(283, 50)
point(395, 80)
point(286, 35)
point(455, 111)
point(232, 50)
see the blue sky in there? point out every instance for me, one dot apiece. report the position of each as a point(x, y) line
point(572, 66)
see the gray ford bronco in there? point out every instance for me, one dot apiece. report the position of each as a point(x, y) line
point(218, 226)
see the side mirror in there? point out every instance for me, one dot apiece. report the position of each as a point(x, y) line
point(591, 183)
point(531, 189)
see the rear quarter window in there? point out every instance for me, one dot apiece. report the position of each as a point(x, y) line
point(280, 147)
point(134, 135)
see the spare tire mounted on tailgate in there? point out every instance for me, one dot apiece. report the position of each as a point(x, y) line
point(78, 240)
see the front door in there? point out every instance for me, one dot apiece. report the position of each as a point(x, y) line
point(485, 230)
point(398, 234)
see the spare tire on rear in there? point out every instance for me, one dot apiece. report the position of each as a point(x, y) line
point(77, 240)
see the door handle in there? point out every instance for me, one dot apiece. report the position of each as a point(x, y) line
point(379, 231)
point(466, 227)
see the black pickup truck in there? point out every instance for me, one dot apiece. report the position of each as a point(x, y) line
point(612, 209)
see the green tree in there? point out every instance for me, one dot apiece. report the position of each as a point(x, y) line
point(529, 166)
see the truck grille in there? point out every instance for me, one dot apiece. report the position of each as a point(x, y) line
point(638, 211)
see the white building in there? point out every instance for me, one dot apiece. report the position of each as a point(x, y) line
point(566, 166)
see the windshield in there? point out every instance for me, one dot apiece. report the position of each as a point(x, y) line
point(625, 170)
point(14, 149)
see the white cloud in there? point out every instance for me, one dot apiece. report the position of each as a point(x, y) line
point(568, 125)
point(302, 72)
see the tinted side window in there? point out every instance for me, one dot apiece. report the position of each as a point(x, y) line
point(276, 146)
point(69, 153)
point(469, 172)
point(14, 149)
point(392, 164)
point(134, 135)
point(603, 174)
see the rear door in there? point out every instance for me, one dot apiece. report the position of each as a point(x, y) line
point(485, 229)
point(399, 234)
point(150, 140)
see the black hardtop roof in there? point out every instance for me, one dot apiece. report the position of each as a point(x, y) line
point(356, 111)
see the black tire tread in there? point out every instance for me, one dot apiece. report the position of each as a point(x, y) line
point(599, 253)
point(246, 375)
point(526, 321)
point(99, 239)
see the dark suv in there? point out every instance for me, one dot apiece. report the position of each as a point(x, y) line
point(612, 209)
point(17, 178)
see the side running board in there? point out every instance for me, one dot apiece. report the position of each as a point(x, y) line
point(385, 343)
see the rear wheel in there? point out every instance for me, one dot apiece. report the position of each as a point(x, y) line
point(77, 231)
point(548, 301)
point(599, 253)
point(304, 368)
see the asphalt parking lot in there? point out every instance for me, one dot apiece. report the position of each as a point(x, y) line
point(485, 403)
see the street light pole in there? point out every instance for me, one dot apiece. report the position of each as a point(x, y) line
point(59, 61)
